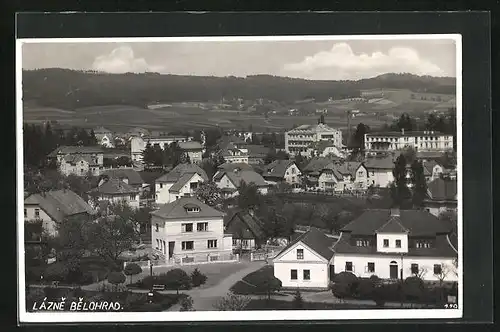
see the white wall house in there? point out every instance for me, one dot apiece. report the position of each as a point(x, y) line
point(343, 176)
point(139, 143)
point(282, 171)
point(229, 181)
point(305, 262)
point(189, 231)
point(114, 190)
point(182, 181)
point(301, 140)
point(79, 160)
point(380, 171)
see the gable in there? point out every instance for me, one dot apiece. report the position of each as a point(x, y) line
point(291, 254)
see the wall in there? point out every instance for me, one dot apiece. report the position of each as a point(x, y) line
point(162, 194)
point(319, 274)
point(361, 177)
point(195, 156)
point(382, 265)
point(380, 177)
point(186, 189)
point(292, 174)
point(245, 244)
point(47, 223)
point(392, 237)
point(133, 203)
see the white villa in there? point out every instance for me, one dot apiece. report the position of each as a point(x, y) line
point(79, 160)
point(181, 181)
point(189, 231)
point(282, 171)
point(301, 140)
point(390, 244)
point(343, 176)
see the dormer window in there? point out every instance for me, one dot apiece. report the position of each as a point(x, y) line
point(362, 243)
point(193, 209)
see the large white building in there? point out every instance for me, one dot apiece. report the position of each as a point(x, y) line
point(139, 143)
point(189, 231)
point(79, 160)
point(302, 140)
point(421, 141)
point(390, 244)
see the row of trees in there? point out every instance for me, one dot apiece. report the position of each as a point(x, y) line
point(407, 192)
point(40, 140)
point(154, 156)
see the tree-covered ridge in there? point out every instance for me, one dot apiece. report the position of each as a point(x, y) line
point(70, 89)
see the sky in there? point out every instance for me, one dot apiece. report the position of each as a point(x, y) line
point(308, 59)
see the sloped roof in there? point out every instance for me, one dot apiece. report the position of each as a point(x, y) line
point(429, 155)
point(317, 164)
point(248, 177)
point(317, 241)
point(178, 171)
point(59, 204)
point(348, 168)
point(115, 186)
point(177, 210)
point(313, 128)
point(232, 166)
point(277, 168)
point(102, 131)
point(253, 225)
point(429, 166)
point(392, 226)
point(379, 163)
point(417, 222)
point(181, 182)
point(134, 178)
point(442, 189)
point(76, 149)
point(74, 159)
point(192, 145)
point(258, 151)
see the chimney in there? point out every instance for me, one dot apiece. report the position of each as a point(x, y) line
point(395, 212)
point(402, 131)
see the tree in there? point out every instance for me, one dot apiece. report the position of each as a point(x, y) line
point(413, 288)
point(187, 304)
point(116, 278)
point(72, 239)
point(358, 138)
point(400, 192)
point(209, 193)
point(91, 139)
point(149, 156)
point(197, 136)
point(255, 139)
point(442, 274)
point(298, 301)
point(329, 216)
point(341, 290)
point(274, 225)
point(177, 279)
point(419, 187)
point(56, 272)
point(114, 233)
point(131, 270)
point(267, 283)
point(198, 278)
point(208, 165)
point(405, 122)
point(410, 155)
point(249, 196)
point(232, 302)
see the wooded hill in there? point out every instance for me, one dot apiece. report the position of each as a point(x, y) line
point(70, 89)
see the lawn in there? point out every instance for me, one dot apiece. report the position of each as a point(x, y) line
point(127, 301)
point(246, 285)
point(263, 304)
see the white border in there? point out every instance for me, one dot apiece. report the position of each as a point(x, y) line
point(284, 315)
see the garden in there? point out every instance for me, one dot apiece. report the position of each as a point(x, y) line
point(260, 282)
point(174, 279)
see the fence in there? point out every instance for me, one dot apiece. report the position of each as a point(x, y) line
point(204, 258)
point(263, 256)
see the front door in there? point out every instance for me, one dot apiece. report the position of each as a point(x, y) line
point(171, 246)
point(332, 272)
point(393, 271)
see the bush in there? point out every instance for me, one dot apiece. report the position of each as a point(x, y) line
point(347, 278)
point(55, 272)
point(198, 278)
point(187, 304)
point(177, 279)
point(116, 278)
point(232, 302)
point(131, 270)
point(298, 301)
point(341, 290)
point(365, 288)
point(379, 296)
point(413, 289)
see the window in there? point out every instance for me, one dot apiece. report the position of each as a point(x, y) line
point(422, 244)
point(157, 244)
point(157, 227)
point(438, 269)
point(386, 243)
point(161, 185)
point(371, 267)
point(202, 226)
point(293, 274)
point(362, 243)
point(132, 197)
point(193, 185)
point(244, 243)
point(348, 266)
point(300, 253)
point(187, 228)
point(235, 242)
point(212, 244)
point(37, 213)
point(414, 268)
point(293, 170)
point(307, 275)
point(192, 209)
point(187, 245)
point(25, 213)
point(398, 243)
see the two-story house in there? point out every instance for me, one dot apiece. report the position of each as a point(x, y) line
point(390, 244)
point(53, 207)
point(182, 181)
point(189, 231)
point(78, 160)
point(343, 176)
point(229, 181)
point(246, 229)
point(380, 171)
point(313, 169)
point(282, 171)
point(432, 170)
point(193, 149)
point(115, 190)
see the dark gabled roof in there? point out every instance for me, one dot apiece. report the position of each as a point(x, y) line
point(392, 226)
point(317, 241)
point(134, 178)
point(190, 146)
point(252, 226)
point(76, 150)
point(277, 168)
point(441, 248)
point(177, 173)
point(59, 204)
point(248, 177)
point(232, 166)
point(74, 159)
point(429, 166)
point(417, 222)
point(177, 210)
point(442, 190)
point(115, 186)
point(317, 164)
point(181, 182)
point(348, 168)
point(379, 163)
point(258, 151)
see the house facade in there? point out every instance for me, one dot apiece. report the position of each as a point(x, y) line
point(189, 231)
point(282, 171)
point(229, 181)
point(139, 143)
point(442, 196)
point(301, 140)
point(193, 149)
point(421, 141)
point(345, 176)
point(104, 137)
point(53, 207)
point(380, 171)
point(432, 170)
point(246, 230)
point(182, 181)
point(79, 160)
point(115, 190)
